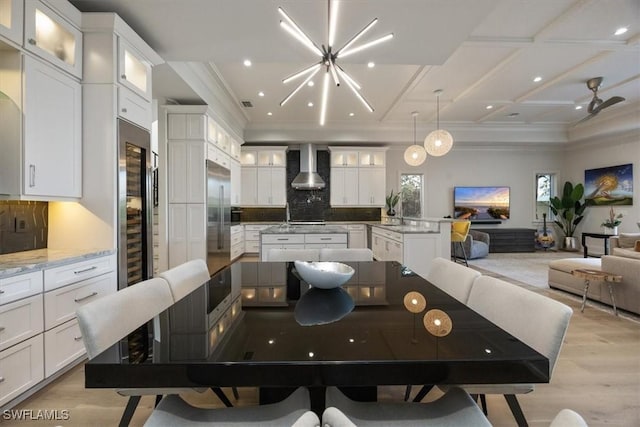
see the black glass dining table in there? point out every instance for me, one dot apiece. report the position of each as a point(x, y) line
point(259, 324)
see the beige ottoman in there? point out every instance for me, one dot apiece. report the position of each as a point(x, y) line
point(560, 276)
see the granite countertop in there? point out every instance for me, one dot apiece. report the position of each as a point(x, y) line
point(305, 229)
point(39, 259)
point(409, 229)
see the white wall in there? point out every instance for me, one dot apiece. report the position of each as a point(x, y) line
point(480, 166)
point(609, 151)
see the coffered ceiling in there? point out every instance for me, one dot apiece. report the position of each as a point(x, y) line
point(481, 53)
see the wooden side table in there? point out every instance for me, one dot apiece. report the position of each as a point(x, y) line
point(597, 276)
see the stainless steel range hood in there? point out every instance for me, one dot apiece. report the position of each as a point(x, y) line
point(308, 178)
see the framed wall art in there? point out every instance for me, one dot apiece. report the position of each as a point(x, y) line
point(612, 185)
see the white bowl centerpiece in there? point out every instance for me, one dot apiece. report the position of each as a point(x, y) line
point(324, 275)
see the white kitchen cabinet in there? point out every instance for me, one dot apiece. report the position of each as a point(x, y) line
point(344, 186)
point(344, 157)
point(237, 241)
point(187, 232)
point(21, 367)
point(186, 175)
point(134, 70)
point(68, 274)
point(234, 149)
point(20, 286)
point(11, 20)
point(249, 182)
point(357, 235)
point(53, 37)
point(271, 186)
point(236, 182)
point(20, 320)
point(187, 126)
point(134, 108)
point(272, 157)
point(301, 241)
point(252, 237)
point(52, 132)
point(387, 245)
point(372, 157)
point(371, 186)
point(62, 345)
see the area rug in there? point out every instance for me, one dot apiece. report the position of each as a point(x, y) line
point(528, 267)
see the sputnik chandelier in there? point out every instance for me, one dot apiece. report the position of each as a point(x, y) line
point(328, 56)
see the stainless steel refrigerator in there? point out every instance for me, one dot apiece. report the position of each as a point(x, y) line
point(218, 217)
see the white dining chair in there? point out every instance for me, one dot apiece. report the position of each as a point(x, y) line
point(453, 278)
point(346, 254)
point(292, 411)
point(105, 321)
point(186, 277)
point(568, 418)
point(276, 254)
point(538, 321)
point(454, 408)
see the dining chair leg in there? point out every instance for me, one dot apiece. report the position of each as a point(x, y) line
point(223, 397)
point(516, 410)
point(483, 402)
point(158, 399)
point(407, 393)
point(423, 392)
point(132, 404)
point(236, 395)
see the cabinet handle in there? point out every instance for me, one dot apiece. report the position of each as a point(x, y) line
point(32, 42)
point(123, 76)
point(78, 338)
point(85, 270)
point(1, 379)
point(32, 175)
point(283, 239)
point(2, 328)
point(1, 292)
point(326, 238)
point(92, 294)
point(124, 110)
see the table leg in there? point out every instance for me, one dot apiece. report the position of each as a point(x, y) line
point(584, 296)
point(613, 298)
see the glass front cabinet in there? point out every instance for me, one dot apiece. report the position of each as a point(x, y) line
point(11, 20)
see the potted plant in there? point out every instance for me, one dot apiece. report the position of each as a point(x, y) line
point(611, 224)
point(568, 212)
point(392, 201)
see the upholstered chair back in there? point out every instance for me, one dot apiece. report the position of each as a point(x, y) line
point(186, 277)
point(453, 278)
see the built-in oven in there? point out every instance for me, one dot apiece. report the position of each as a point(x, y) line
point(236, 215)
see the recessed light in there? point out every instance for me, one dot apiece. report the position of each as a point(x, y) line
point(261, 93)
point(537, 79)
point(352, 114)
point(371, 64)
point(269, 113)
point(247, 63)
point(309, 104)
point(311, 83)
point(311, 354)
point(489, 107)
point(621, 31)
point(578, 107)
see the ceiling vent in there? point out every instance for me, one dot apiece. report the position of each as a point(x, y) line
point(247, 104)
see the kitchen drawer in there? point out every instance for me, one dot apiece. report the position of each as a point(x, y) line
point(236, 238)
point(355, 227)
point(20, 320)
point(280, 239)
point(21, 367)
point(256, 227)
point(251, 235)
point(325, 238)
point(66, 274)
point(134, 108)
point(62, 345)
point(389, 234)
point(60, 304)
point(237, 250)
point(235, 229)
point(325, 245)
point(251, 247)
point(21, 286)
point(264, 253)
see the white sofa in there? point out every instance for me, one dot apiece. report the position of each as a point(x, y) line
point(624, 260)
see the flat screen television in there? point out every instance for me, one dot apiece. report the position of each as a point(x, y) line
point(481, 203)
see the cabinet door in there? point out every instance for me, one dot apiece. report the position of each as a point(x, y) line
point(263, 186)
point(236, 182)
point(187, 232)
point(337, 193)
point(186, 177)
point(52, 132)
point(371, 186)
point(278, 186)
point(134, 108)
point(249, 183)
point(52, 37)
point(11, 20)
point(134, 71)
point(21, 367)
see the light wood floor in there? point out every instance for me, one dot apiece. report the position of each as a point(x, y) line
point(597, 375)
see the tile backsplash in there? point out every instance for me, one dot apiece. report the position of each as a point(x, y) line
point(23, 226)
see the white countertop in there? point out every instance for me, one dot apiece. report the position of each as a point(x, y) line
point(39, 259)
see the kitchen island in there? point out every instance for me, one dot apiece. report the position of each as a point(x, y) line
point(414, 243)
point(302, 236)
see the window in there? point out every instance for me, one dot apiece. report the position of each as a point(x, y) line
point(545, 190)
point(411, 186)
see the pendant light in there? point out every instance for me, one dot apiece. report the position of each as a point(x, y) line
point(415, 155)
point(438, 142)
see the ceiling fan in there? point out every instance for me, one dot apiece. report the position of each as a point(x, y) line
point(597, 104)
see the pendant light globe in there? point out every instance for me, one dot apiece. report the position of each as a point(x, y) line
point(439, 142)
point(415, 155)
